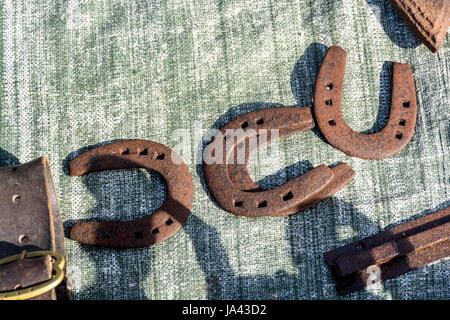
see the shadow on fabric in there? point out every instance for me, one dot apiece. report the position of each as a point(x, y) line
point(394, 26)
point(223, 283)
point(7, 159)
point(312, 279)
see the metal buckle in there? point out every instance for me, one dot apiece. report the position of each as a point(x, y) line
point(38, 289)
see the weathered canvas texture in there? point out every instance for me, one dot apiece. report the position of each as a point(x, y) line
point(76, 74)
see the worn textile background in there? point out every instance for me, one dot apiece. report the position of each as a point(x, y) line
point(78, 73)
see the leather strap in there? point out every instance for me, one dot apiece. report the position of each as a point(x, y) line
point(399, 128)
point(30, 220)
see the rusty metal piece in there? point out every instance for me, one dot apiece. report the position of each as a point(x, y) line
point(30, 220)
point(231, 185)
point(391, 253)
point(157, 227)
point(429, 20)
point(391, 139)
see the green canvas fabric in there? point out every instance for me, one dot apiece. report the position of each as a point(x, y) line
point(76, 74)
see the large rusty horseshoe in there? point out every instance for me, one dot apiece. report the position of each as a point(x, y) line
point(157, 227)
point(391, 139)
point(231, 185)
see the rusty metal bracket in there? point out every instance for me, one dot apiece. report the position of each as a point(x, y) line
point(230, 183)
point(391, 253)
point(327, 111)
point(157, 227)
point(429, 20)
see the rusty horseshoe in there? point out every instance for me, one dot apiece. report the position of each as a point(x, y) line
point(230, 183)
point(391, 139)
point(146, 231)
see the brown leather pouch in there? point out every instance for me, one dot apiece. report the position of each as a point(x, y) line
point(30, 220)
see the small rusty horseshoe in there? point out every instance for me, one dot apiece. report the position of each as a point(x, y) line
point(231, 185)
point(157, 227)
point(391, 139)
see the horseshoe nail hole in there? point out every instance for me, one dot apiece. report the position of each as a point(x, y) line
point(402, 122)
point(155, 231)
point(331, 122)
point(330, 86)
point(169, 222)
point(138, 235)
point(360, 246)
point(126, 152)
point(398, 135)
point(143, 152)
point(23, 238)
point(13, 169)
point(406, 104)
point(17, 287)
point(329, 102)
point(16, 198)
point(160, 157)
point(238, 203)
point(244, 125)
point(262, 204)
point(288, 196)
point(213, 138)
point(260, 122)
